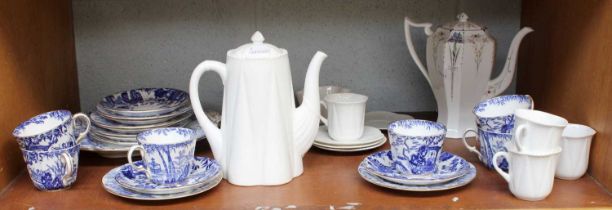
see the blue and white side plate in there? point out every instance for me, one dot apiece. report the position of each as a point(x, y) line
point(450, 167)
point(112, 186)
point(127, 120)
point(203, 170)
point(144, 102)
point(102, 122)
point(376, 180)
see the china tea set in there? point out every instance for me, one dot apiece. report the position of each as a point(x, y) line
point(527, 147)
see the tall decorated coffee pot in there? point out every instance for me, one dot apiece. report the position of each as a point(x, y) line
point(460, 57)
point(263, 136)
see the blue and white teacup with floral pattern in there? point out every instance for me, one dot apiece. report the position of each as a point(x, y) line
point(416, 145)
point(490, 143)
point(51, 131)
point(167, 154)
point(54, 169)
point(497, 114)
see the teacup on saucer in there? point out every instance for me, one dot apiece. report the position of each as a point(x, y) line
point(370, 135)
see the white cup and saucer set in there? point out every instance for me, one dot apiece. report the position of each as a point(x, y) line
point(344, 129)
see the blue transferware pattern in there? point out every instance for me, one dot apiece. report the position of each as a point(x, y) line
point(449, 167)
point(491, 143)
point(458, 182)
point(60, 133)
point(146, 120)
point(503, 106)
point(167, 163)
point(416, 155)
point(101, 122)
point(203, 170)
point(48, 169)
point(111, 186)
point(143, 102)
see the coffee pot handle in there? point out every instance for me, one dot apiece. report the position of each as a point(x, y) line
point(471, 148)
point(518, 136)
point(501, 172)
point(68, 164)
point(427, 28)
point(143, 155)
point(87, 121)
point(323, 119)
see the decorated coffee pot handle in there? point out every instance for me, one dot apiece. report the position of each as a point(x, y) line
point(68, 164)
point(87, 121)
point(323, 119)
point(134, 166)
point(518, 136)
point(471, 148)
point(501, 172)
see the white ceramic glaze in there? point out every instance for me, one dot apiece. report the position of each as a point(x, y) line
point(576, 144)
point(323, 91)
point(263, 137)
point(382, 119)
point(530, 176)
point(537, 131)
point(460, 59)
point(345, 115)
point(370, 135)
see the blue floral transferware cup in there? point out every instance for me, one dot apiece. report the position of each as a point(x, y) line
point(490, 143)
point(497, 114)
point(51, 131)
point(416, 145)
point(167, 154)
point(52, 170)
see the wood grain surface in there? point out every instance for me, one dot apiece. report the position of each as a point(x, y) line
point(566, 65)
point(37, 69)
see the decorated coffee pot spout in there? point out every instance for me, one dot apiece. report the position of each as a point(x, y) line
point(503, 80)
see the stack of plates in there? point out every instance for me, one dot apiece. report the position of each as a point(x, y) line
point(452, 172)
point(371, 138)
point(123, 181)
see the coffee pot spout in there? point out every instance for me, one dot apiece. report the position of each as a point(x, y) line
point(501, 82)
point(306, 117)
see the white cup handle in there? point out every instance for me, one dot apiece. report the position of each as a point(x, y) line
point(471, 148)
point(323, 119)
point(68, 165)
point(532, 102)
point(518, 136)
point(87, 121)
point(143, 155)
point(501, 172)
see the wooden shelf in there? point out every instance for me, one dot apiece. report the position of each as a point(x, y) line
point(329, 179)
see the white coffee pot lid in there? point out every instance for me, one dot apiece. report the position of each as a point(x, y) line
point(257, 49)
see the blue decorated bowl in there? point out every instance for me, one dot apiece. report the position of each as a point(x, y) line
point(497, 114)
point(143, 102)
point(416, 145)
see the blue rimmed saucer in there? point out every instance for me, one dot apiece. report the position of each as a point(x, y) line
point(376, 180)
point(449, 167)
point(143, 102)
point(203, 170)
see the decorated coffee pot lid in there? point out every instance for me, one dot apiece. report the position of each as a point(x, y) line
point(257, 49)
point(462, 24)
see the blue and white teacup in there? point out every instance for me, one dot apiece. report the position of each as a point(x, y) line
point(52, 170)
point(167, 154)
point(51, 131)
point(416, 145)
point(497, 114)
point(490, 143)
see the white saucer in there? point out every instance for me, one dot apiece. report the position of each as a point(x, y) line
point(370, 136)
point(352, 148)
point(382, 119)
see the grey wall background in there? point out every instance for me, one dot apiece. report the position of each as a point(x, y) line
point(125, 44)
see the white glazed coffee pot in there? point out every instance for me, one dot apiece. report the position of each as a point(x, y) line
point(263, 136)
point(460, 59)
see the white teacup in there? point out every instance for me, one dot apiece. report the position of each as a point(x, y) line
point(537, 131)
point(323, 91)
point(346, 115)
point(574, 158)
point(530, 176)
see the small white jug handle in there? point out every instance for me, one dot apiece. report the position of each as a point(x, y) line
point(87, 121)
point(323, 119)
point(68, 165)
point(427, 28)
point(471, 148)
point(501, 172)
point(143, 155)
point(518, 136)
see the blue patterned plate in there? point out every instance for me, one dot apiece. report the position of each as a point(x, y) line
point(111, 185)
point(450, 167)
point(143, 102)
point(203, 170)
point(102, 122)
point(376, 180)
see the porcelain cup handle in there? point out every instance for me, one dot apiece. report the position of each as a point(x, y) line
point(471, 148)
point(68, 165)
point(143, 155)
point(532, 102)
point(501, 172)
point(518, 137)
point(87, 121)
point(323, 119)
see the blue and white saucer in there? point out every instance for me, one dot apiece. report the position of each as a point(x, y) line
point(111, 185)
point(203, 170)
point(450, 167)
point(144, 102)
point(376, 180)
